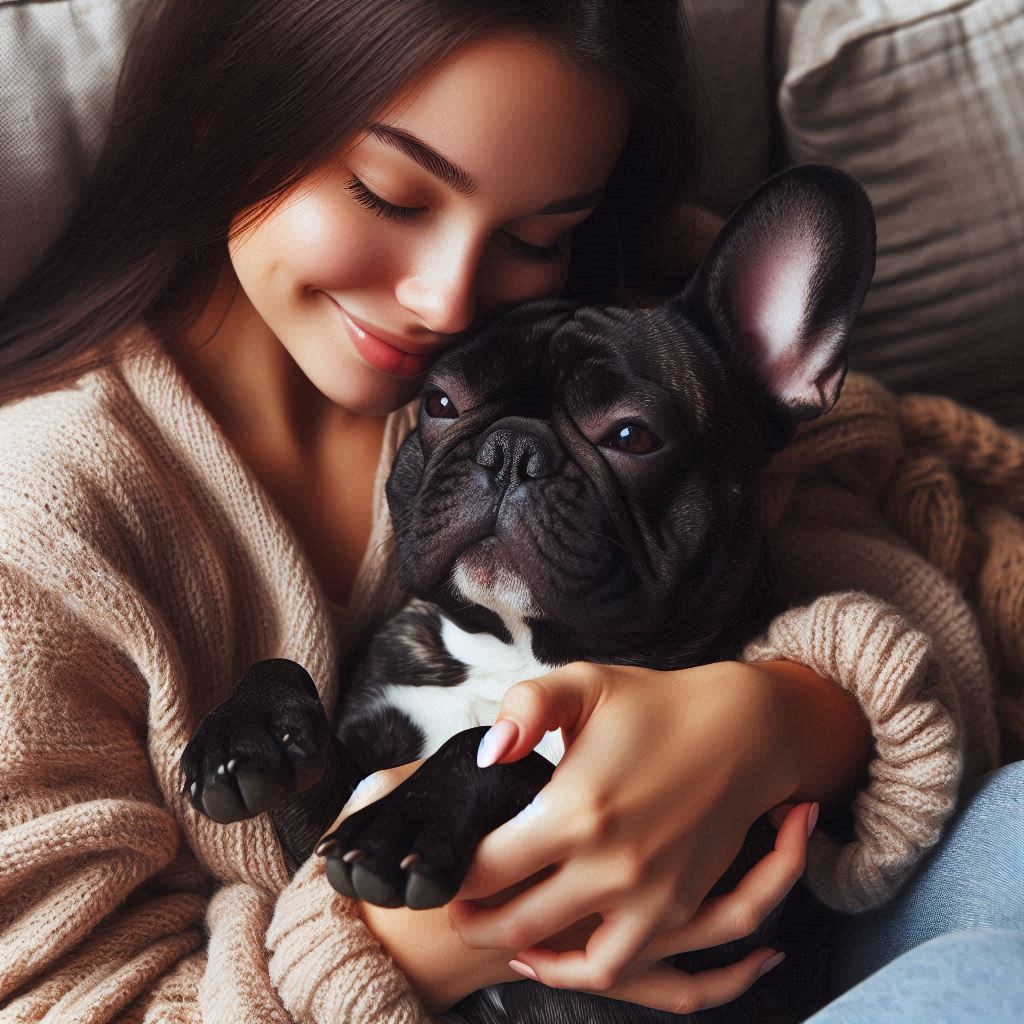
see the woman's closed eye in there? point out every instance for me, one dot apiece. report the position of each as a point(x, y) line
point(372, 201)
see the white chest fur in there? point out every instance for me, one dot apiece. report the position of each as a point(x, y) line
point(491, 668)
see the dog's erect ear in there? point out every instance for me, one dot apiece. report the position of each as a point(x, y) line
point(781, 287)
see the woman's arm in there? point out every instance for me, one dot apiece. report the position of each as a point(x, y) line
point(96, 882)
point(831, 734)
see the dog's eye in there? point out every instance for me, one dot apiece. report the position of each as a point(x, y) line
point(632, 438)
point(440, 406)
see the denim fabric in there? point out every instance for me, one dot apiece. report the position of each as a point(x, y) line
point(973, 879)
point(959, 978)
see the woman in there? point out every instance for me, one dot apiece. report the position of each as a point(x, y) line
point(196, 442)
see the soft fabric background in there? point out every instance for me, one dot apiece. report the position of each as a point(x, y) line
point(921, 100)
point(58, 67)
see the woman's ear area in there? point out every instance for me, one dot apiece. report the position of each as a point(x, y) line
point(783, 283)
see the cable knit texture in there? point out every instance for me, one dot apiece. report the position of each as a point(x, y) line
point(143, 567)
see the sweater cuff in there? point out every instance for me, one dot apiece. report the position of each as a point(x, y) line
point(326, 964)
point(866, 646)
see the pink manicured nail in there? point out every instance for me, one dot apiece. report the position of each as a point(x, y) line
point(812, 819)
point(524, 969)
point(497, 740)
point(770, 964)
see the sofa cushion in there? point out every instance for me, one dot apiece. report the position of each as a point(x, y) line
point(58, 68)
point(921, 101)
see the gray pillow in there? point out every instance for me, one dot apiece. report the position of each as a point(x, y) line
point(921, 101)
point(58, 67)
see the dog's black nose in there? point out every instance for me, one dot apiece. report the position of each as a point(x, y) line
point(517, 450)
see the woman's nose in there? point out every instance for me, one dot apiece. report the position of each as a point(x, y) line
point(440, 289)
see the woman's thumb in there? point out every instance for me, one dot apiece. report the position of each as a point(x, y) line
point(563, 699)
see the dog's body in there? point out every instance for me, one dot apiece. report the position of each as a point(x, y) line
point(582, 485)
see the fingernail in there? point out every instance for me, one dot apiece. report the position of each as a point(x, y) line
point(524, 969)
point(812, 819)
point(770, 964)
point(497, 740)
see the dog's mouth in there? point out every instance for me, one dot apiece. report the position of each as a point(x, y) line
point(485, 574)
point(481, 562)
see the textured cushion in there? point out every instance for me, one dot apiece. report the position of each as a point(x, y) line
point(922, 101)
point(58, 68)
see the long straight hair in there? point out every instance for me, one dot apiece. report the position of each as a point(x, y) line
point(221, 108)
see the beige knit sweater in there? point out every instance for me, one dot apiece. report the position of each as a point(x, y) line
point(143, 568)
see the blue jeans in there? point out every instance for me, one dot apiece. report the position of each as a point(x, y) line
point(950, 946)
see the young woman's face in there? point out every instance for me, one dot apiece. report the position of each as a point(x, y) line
point(362, 297)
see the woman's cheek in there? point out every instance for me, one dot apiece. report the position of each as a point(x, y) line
point(326, 246)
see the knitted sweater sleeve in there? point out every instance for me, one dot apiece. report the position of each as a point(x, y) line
point(99, 902)
point(896, 635)
point(106, 914)
point(868, 648)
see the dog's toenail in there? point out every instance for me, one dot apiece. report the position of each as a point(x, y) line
point(409, 860)
point(221, 769)
point(327, 847)
point(192, 789)
point(286, 737)
point(231, 765)
point(352, 855)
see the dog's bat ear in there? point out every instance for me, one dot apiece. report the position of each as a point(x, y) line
point(782, 285)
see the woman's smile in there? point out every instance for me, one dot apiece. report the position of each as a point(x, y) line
point(384, 355)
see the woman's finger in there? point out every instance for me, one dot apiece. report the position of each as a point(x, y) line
point(611, 949)
point(737, 914)
point(777, 815)
point(562, 699)
point(664, 988)
point(547, 907)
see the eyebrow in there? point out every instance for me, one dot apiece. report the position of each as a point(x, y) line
point(462, 181)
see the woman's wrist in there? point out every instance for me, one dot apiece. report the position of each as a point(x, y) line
point(827, 735)
point(426, 948)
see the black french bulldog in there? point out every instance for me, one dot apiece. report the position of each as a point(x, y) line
point(582, 485)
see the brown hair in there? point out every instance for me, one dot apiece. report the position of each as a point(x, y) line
point(223, 107)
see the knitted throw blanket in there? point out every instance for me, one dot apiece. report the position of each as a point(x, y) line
point(948, 480)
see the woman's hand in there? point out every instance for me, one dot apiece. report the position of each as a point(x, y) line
point(663, 774)
point(442, 970)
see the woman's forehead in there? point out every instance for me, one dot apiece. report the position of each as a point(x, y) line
point(510, 114)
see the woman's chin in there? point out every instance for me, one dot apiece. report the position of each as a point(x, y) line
point(373, 394)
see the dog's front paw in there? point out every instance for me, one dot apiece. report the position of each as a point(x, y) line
point(267, 741)
point(413, 847)
point(392, 855)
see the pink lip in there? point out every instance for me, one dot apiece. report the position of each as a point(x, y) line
point(383, 355)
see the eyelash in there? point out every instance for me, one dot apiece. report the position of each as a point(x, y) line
point(382, 207)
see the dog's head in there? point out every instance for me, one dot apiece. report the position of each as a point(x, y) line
point(591, 473)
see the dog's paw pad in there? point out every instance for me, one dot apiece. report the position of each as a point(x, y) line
point(424, 893)
point(338, 875)
point(221, 802)
point(372, 888)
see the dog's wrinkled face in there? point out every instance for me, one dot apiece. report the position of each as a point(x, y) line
point(582, 468)
point(592, 472)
